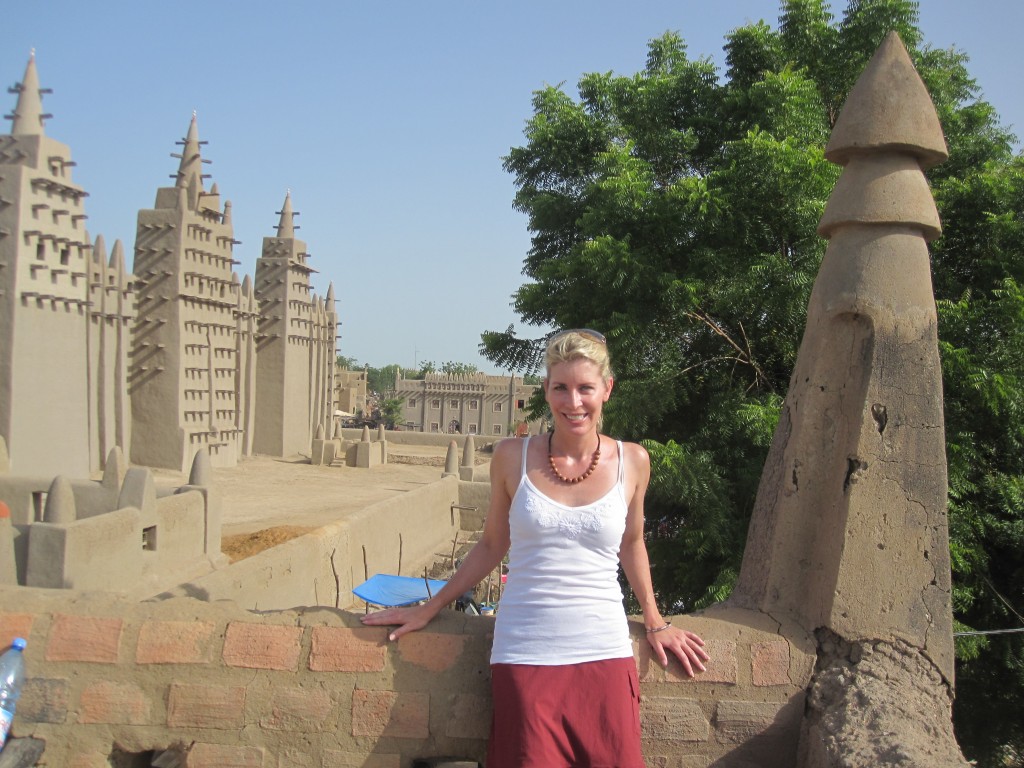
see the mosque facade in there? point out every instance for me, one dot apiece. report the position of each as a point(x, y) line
point(178, 355)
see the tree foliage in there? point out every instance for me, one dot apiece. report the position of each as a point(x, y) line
point(452, 368)
point(675, 210)
point(391, 411)
point(348, 363)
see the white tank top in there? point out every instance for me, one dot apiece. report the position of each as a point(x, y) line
point(562, 603)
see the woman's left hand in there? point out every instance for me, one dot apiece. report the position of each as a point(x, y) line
point(685, 645)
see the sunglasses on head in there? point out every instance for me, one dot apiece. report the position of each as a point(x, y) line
point(587, 333)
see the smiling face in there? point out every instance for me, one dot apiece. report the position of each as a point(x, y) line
point(576, 394)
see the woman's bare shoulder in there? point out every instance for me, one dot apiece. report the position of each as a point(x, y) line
point(508, 454)
point(637, 459)
point(635, 452)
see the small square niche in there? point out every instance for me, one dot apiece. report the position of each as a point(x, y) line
point(149, 538)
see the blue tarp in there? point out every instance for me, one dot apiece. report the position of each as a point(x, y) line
point(387, 590)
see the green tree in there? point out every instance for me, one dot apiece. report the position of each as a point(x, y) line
point(381, 380)
point(452, 368)
point(391, 411)
point(349, 363)
point(675, 210)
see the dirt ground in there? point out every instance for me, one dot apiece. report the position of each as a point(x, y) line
point(267, 501)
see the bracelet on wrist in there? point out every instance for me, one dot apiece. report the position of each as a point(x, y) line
point(662, 628)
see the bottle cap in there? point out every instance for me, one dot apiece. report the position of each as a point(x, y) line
point(18, 644)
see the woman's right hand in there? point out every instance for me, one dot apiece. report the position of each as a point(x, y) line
point(409, 619)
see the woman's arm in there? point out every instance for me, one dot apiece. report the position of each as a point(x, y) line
point(663, 637)
point(484, 557)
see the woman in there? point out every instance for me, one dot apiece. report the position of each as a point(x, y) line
point(570, 505)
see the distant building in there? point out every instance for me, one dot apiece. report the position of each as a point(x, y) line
point(295, 347)
point(176, 354)
point(350, 391)
point(194, 329)
point(65, 311)
point(475, 404)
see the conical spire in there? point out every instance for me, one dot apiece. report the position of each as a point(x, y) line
point(329, 301)
point(117, 258)
point(115, 469)
point(60, 502)
point(99, 250)
point(286, 225)
point(855, 479)
point(190, 170)
point(889, 86)
point(202, 471)
point(451, 460)
point(28, 115)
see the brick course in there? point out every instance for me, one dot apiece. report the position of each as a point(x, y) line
point(298, 709)
point(336, 649)
point(291, 758)
point(89, 760)
point(387, 713)
point(114, 703)
point(145, 680)
point(175, 642)
point(672, 719)
point(335, 759)
point(206, 706)
point(722, 668)
point(262, 646)
point(769, 663)
point(223, 756)
point(737, 721)
point(44, 700)
point(432, 651)
point(84, 638)
point(470, 717)
point(14, 625)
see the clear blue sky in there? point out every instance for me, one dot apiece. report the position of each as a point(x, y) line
point(387, 121)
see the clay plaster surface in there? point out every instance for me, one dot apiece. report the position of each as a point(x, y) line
point(262, 491)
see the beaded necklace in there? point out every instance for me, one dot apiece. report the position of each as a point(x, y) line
point(585, 475)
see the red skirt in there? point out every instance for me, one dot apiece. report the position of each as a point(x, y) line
point(572, 716)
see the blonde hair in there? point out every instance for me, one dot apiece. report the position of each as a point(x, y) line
point(579, 345)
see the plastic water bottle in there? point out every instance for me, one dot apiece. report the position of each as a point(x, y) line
point(12, 676)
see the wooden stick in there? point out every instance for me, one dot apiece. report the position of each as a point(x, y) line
point(366, 576)
point(455, 544)
point(337, 580)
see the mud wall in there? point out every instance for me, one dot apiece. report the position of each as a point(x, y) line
point(322, 567)
point(312, 687)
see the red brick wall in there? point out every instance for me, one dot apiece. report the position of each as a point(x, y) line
point(313, 687)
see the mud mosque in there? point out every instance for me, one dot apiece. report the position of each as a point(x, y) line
point(834, 651)
point(162, 362)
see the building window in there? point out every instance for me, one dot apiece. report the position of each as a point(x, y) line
point(412, 402)
point(473, 404)
point(149, 538)
point(496, 429)
point(497, 407)
point(472, 429)
point(435, 427)
point(453, 403)
point(435, 403)
point(520, 404)
point(410, 425)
